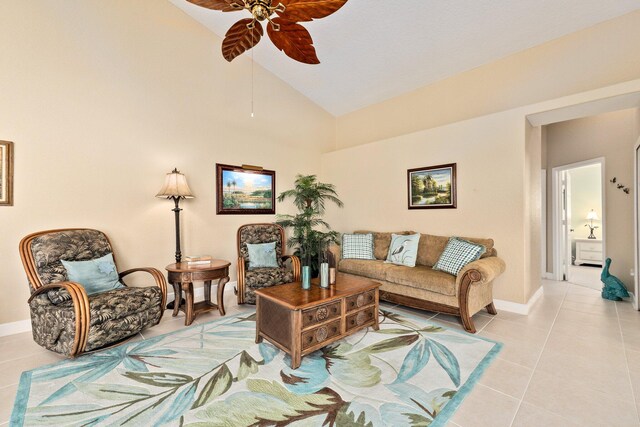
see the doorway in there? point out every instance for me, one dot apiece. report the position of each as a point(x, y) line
point(578, 222)
point(636, 220)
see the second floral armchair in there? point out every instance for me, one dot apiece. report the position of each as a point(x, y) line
point(250, 278)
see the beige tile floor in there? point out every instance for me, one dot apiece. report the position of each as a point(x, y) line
point(574, 361)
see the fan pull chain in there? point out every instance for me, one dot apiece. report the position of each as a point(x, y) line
point(252, 72)
point(252, 81)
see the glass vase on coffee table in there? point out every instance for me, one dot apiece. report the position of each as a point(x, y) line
point(323, 267)
point(306, 271)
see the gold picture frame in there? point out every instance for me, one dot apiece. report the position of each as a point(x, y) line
point(245, 190)
point(6, 173)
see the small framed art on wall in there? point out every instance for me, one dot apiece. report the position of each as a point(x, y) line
point(432, 187)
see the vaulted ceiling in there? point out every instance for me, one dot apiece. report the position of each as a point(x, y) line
point(372, 50)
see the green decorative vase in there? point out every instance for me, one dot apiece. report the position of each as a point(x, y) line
point(306, 277)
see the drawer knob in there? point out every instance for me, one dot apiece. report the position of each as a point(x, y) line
point(361, 318)
point(360, 300)
point(322, 313)
point(321, 334)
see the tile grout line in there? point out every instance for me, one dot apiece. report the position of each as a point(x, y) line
point(626, 359)
point(490, 320)
point(498, 391)
point(535, 366)
point(9, 385)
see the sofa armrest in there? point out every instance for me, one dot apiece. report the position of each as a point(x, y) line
point(161, 283)
point(336, 251)
point(80, 307)
point(481, 271)
point(295, 266)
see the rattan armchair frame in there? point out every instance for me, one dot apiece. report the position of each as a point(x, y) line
point(77, 292)
point(295, 261)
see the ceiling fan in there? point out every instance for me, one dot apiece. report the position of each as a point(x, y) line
point(284, 29)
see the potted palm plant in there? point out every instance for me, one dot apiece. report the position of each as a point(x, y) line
point(309, 197)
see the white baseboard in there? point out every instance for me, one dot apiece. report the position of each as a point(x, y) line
point(548, 276)
point(25, 325)
point(517, 308)
point(15, 327)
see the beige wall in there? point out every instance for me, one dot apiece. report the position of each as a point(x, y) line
point(612, 136)
point(103, 98)
point(372, 181)
point(592, 58)
point(455, 120)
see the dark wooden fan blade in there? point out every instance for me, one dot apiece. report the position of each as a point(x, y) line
point(223, 5)
point(240, 38)
point(308, 10)
point(294, 40)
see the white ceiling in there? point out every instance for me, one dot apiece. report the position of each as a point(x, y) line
point(372, 50)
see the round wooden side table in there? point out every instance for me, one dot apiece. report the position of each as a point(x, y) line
point(182, 276)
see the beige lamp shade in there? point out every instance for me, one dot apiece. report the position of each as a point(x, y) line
point(175, 185)
point(592, 215)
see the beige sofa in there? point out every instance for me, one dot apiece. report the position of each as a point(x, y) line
point(425, 288)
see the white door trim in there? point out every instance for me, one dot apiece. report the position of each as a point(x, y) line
point(558, 240)
point(636, 226)
point(543, 221)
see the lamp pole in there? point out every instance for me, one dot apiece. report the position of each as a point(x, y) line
point(175, 187)
point(176, 209)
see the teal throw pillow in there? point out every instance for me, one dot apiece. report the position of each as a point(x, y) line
point(262, 255)
point(403, 249)
point(96, 275)
point(457, 254)
point(357, 246)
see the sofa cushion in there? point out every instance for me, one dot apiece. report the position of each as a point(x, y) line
point(422, 277)
point(357, 246)
point(457, 254)
point(373, 269)
point(403, 249)
point(265, 277)
point(95, 275)
point(431, 247)
point(381, 242)
point(262, 255)
point(123, 302)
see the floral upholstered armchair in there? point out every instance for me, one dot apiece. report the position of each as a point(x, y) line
point(250, 277)
point(65, 318)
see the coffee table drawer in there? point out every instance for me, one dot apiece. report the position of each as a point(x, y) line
point(358, 301)
point(320, 334)
point(320, 314)
point(360, 318)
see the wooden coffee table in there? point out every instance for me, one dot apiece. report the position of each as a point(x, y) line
point(300, 321)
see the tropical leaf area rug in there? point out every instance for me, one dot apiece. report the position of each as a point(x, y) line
point(409, 373)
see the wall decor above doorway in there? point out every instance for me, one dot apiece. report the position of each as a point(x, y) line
point(6, 173)
point(432, 187)
point(245, 190)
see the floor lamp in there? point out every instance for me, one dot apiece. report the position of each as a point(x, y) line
point(175, 187)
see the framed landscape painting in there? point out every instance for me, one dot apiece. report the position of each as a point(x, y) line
point(245, 190)
point(432, 187)
point(6, 173)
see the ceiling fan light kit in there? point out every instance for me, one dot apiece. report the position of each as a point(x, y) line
point(283, 29)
